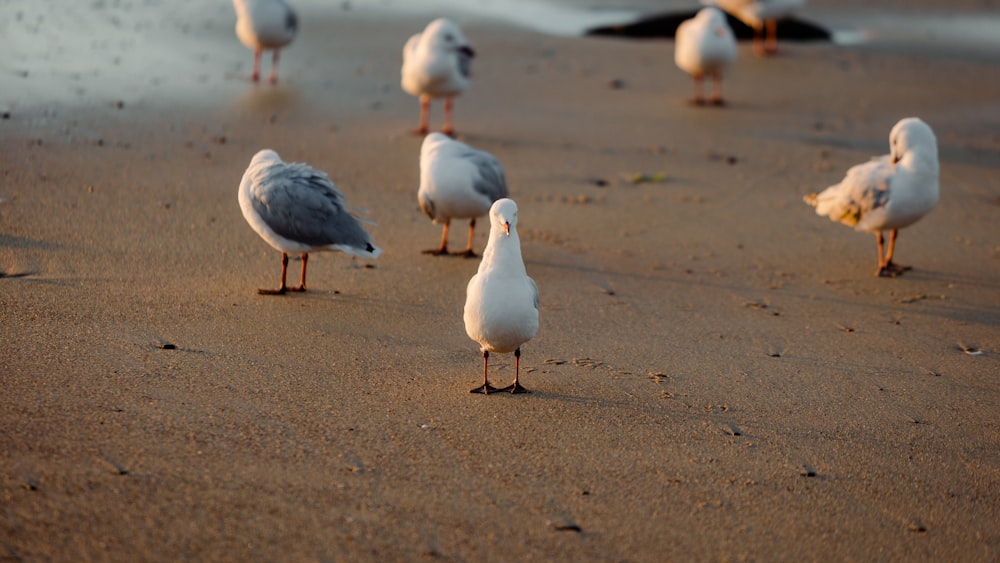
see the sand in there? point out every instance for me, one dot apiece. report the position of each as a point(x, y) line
point(718, 374)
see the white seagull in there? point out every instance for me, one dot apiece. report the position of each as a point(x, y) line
point(762, 16)
point(704, 46)
point(436, 65)
point(265, 25)
point(296, 208)
point(889, 192)
point(501, 302)
point(457, 182)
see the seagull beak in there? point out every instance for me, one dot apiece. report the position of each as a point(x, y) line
point(466, 50)
point(506, 228)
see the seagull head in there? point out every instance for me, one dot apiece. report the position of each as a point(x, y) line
point(711, 16)
point(445, 35)
point(503, 216)
point(433, 142)
point(265, 156)
point(912, 135)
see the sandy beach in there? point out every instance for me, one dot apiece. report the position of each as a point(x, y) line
point(718, 374)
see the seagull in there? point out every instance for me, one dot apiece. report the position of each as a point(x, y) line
point(705, 46)
point(457, 182)
point(888, 192)
point(265, 25)
point(296, 208)
point(436, 65)
point(762, 16)
point(501, 303)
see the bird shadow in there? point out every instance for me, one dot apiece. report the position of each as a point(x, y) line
point(26, 243)
point(24, 274)
point(946, 153)
point(266, 98)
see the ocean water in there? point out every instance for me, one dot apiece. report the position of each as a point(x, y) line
point(946, 28)
point(559, 17)
point(112, 50)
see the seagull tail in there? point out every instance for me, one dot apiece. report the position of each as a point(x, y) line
point(368, 251)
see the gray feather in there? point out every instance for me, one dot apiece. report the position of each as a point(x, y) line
point(880, 197)
point(877, 179)
point(426, 204)
point(491, 181)
point(464, 64)
point(300, 203)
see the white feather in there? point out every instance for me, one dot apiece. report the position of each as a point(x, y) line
point(501, 305)
point(889, 192)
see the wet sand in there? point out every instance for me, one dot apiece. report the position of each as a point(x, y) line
point(718, 374)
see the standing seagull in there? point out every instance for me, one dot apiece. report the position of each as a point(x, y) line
point(762, 16)
point(296, 208)
point(501, 302)
point(704, 45)
point(888, 192)
point(436, 65)
point(457, 182)
point(263, 25)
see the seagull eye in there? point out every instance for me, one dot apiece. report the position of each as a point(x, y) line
point(449, 37)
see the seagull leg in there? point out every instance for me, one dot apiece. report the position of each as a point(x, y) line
point(425, 111)
point(284, 270)
point(894, 269)
point(448, 129)
point(771, 37)
point(256, 65)
point(699, 88)
point(486, 388)
point(516, 387)
point(717, 89)
point(302, 280)
point(469, 253)
point(443, 249)
point(758, 41)
point(883, 271)
point(274, 68)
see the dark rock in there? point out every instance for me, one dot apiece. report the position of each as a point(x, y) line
point(658, 26)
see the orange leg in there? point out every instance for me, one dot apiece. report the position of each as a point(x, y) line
point(256, 65)
point(274, 68)
point(516, 387)
point(425, 111)
point(699, 90)
point(302, 279)
point(886, 269)
point(771, 37)
point(893, 269)
point(284, 270)
point(758, 41)
point(469, 253)
point(880, 240)
point(448, 129)
point(486, 388)
point(717, 89)
point(443, 249)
